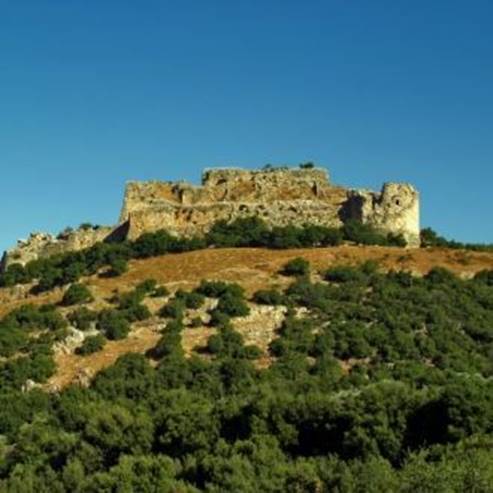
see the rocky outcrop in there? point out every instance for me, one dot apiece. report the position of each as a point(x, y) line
point(280, 196)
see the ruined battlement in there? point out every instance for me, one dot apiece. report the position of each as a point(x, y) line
point(221, 185)
point(279, 196)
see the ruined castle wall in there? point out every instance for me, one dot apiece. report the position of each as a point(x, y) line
point(42, 245)
point(278, 196)
point(197, 220)
point(229, 185)
point(394, 210)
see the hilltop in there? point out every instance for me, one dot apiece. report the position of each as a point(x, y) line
point(279, 196)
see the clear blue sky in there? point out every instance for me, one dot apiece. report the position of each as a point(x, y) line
point(94, 93)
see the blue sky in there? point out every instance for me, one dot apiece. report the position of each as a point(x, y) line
point(94, 93)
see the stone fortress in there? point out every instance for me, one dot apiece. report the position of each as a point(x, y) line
point(279, 196)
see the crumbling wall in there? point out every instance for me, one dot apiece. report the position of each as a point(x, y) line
point(278, 196)
point(229, 185)
point(394, 210)
point(42, 245)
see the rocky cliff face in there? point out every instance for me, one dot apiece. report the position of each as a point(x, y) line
point(279, 196)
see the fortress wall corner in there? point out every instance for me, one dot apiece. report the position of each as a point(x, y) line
point(396, 209)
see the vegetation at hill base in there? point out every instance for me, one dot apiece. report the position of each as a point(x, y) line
point(382, 383)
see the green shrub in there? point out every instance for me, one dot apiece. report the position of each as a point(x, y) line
point(344, 274)
point(296, 267)
point(118, 267)
point(50, 278)
point(233, 305)
point(430, 238)
point(146, 287)
point(269, 297)
point(173, 309)
point(136, 313)
point(485, 276)
point(160, 292)
point(91, 344)
point(249, 231)
point(285, 237)
point(77, 294)
point(219, 319)
point(304, 293)
point(216, 289)
point(29, 317)
point(113, 324)
point(14, 274)
point(363, 234)
point(440, 275)
point(131, 307)
point(12, 340)
point(226, 342)
point(396, 239)
point(170, 343)
point(82, 318)
point(192, 300)
point(313, 235)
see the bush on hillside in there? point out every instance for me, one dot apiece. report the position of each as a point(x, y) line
point(113, 324)
point(160, 292)
point(91, 344)
point(363, 234)
point(344, 274)
point(192, 300)
point(296, 267)
point(248, 231)
point(269, 297)
point(117, 267)
point(217, 289)
point(82, 318)
point(173, 309)
point(233, 306)
point(77, 294)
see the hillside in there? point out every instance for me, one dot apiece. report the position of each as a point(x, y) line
point(344, 368)
point(252, 268)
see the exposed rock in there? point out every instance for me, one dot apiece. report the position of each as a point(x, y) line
point(73, 340)
point(260, 325)
point(30, 385)
point(84, 377)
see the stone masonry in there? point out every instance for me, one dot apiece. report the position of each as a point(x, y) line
point(279, 196)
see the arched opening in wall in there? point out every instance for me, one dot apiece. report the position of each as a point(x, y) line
point(397, 202)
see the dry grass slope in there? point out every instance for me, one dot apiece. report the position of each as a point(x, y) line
point(250, 267)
